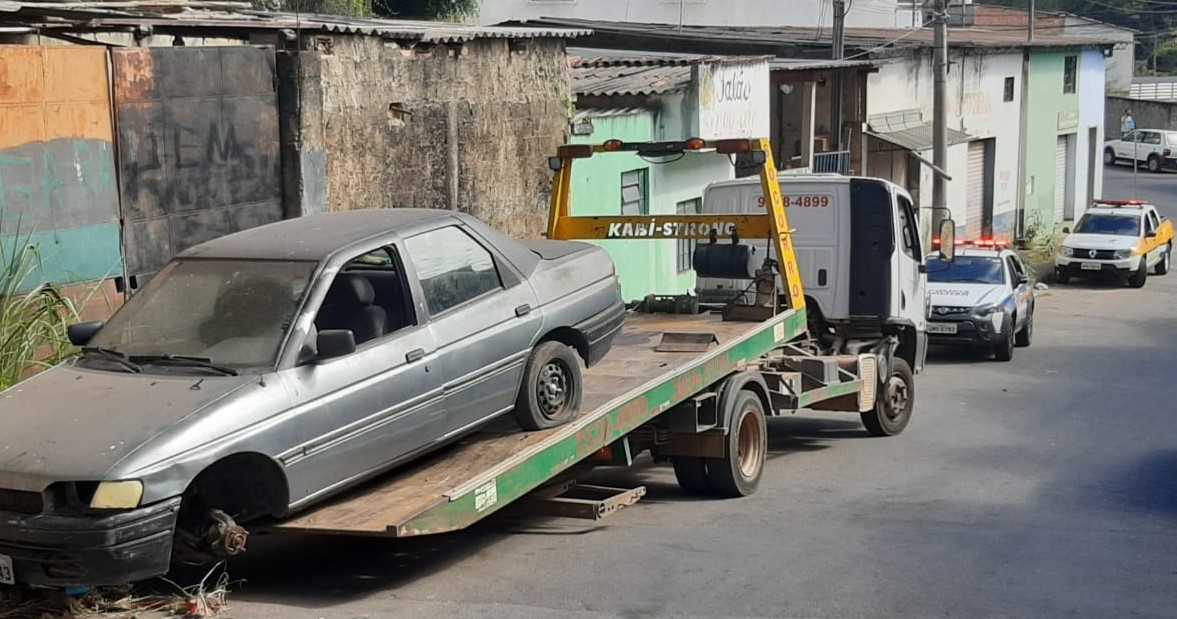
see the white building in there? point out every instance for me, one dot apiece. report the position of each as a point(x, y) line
point(865, 13)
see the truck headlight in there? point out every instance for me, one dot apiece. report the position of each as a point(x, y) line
point(117, 495)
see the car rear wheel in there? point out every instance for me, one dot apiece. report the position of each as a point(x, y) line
point(1154, 164)
point(552, 388)
point(1140, 275)
point(1163, 266)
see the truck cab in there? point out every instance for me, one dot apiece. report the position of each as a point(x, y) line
point(858, 249)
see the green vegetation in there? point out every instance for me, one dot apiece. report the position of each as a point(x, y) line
point(1154, 20)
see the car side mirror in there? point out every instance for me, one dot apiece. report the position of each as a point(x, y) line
point(81, 333)
point(1151, 234)
point(334, 343)
point(1023, 279)
point(948, 240)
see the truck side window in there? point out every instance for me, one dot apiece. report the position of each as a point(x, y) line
point(911, 242)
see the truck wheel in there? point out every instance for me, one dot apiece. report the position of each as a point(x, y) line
point(1154, 164)
point(551, 390)
point(691, 474)
point(1027, 332)
point(1163, 266)
point(1004, 351)
point(1140, 275)
point(1109, 157)
point(738, 472)
point(894, 402)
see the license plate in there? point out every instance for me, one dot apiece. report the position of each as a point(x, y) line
point(1091, 266)
point(7, 575)
point(935, 327)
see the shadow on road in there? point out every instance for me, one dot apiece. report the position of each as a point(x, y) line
point(1147, 485)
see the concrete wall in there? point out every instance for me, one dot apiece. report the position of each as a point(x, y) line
point(467, 127)
point(1048, 108)
point(1148, 114)
point(1089, 152)
point(872, 13)
point(976, 106)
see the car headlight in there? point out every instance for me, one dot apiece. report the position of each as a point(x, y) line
point(117, 495)
point(986, 310)
point(1121, 254)
point(1069, 252)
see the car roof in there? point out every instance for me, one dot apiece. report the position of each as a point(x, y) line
point(315, 237)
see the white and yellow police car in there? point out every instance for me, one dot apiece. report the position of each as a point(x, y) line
point(1124, 239)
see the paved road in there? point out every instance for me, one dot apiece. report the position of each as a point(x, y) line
point(1043, 487)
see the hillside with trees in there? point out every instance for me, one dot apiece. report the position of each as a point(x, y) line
point(1154, 20)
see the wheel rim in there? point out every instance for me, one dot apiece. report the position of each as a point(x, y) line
point(896, 397)
point(749, 447)
point(552, 388)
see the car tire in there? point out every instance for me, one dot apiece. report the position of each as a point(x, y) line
point(1109, 157)
point(738, 473)
point(691, 474)
point(1061, 276)
point(1140, 275)
point(552, 388)
point(1154, 164)
point(894, 402)
point(1004, 350)
point(1162, 267)
point(1026, 334)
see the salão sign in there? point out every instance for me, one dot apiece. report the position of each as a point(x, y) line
point(733, 100)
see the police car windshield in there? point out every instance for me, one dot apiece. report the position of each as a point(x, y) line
point(1119, 225)
point(966, 270)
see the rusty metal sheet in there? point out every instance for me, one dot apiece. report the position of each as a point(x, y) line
point(198, 146)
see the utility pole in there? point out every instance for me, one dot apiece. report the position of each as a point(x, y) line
point(1030, 22)
point(838, 52)
point(939, 115)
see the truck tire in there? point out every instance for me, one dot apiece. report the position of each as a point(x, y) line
point(1004, 350)
point(1163, 266)
point(1140, 275)
point(691, 474)
point(1027, 332)
point(552, 388)
point(894, 402)
point(738, 473)
point(1109, 156)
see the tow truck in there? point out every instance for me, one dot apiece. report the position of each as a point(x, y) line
point(692, 388)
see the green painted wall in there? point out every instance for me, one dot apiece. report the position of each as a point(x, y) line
point(645, 266)
point(1045, 99)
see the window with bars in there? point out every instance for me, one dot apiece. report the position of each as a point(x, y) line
point(1070, 73)
point(686, 247)
point(634, 192)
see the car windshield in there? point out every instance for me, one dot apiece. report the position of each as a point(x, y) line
point(234, 313)
point(966, 270)
point(1120, 225)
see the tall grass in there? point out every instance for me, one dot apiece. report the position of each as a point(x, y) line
point(34, 314)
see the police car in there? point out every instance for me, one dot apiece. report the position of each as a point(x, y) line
point(1118, 238)
point(983, 297)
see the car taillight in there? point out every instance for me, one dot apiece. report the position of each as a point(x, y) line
point(1168, 152)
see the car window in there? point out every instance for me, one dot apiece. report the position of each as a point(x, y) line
point(1015, 270)
point(452, 267)
point(1119, 225)
point(1150, 224)
point(966, 270)
point(1152, 137)
point(235, 313)
point(368, 297)
point(1171, 137)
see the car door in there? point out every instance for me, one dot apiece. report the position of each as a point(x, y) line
point(1150, 240)
point(1124, 145)
point(912, 276)
point(363, 411)
point(1020, 285)
point(482, 316)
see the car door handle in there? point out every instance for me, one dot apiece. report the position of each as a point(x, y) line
point(414, 355)
point(522, 310)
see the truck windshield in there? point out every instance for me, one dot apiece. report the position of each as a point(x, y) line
point(966, 270)
point(234, 313)
point(1119, 225)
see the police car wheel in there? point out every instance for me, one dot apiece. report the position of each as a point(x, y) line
point(1061, 276)
point(1004, 351)
point(1027, 332)
point(1140, 275)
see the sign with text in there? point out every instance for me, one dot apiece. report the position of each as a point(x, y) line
point(734, 100)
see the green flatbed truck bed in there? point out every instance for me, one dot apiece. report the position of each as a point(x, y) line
point(479, 475)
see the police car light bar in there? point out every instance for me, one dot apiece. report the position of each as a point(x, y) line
point(1134, 202)
point(986, 243)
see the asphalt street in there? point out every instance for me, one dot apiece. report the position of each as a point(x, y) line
point(1041, 487)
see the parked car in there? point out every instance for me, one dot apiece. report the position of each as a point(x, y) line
point(259, 373)
point(1117, 238)
point(1156, 148)
point(982, 298)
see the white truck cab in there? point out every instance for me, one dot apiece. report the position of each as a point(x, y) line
point(858, 248)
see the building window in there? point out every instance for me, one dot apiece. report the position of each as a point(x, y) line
point(633, 192)
point(1009, 89)
point(686, 247)
point(1070, 73)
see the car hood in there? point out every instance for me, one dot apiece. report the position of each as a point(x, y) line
point(950, 294)
point(1100, 241)
point(75, 424)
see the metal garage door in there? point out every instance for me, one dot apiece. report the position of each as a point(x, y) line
point(1060, 179)
point(975, 204)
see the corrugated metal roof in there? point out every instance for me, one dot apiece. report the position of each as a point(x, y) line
point(164, 14)
point(585, 56)
point(802, 64)
point(614, 80)
point(907, 129)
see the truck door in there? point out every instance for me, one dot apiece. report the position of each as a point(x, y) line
point(912, 280)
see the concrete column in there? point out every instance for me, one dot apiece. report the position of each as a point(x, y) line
point(808, 121)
